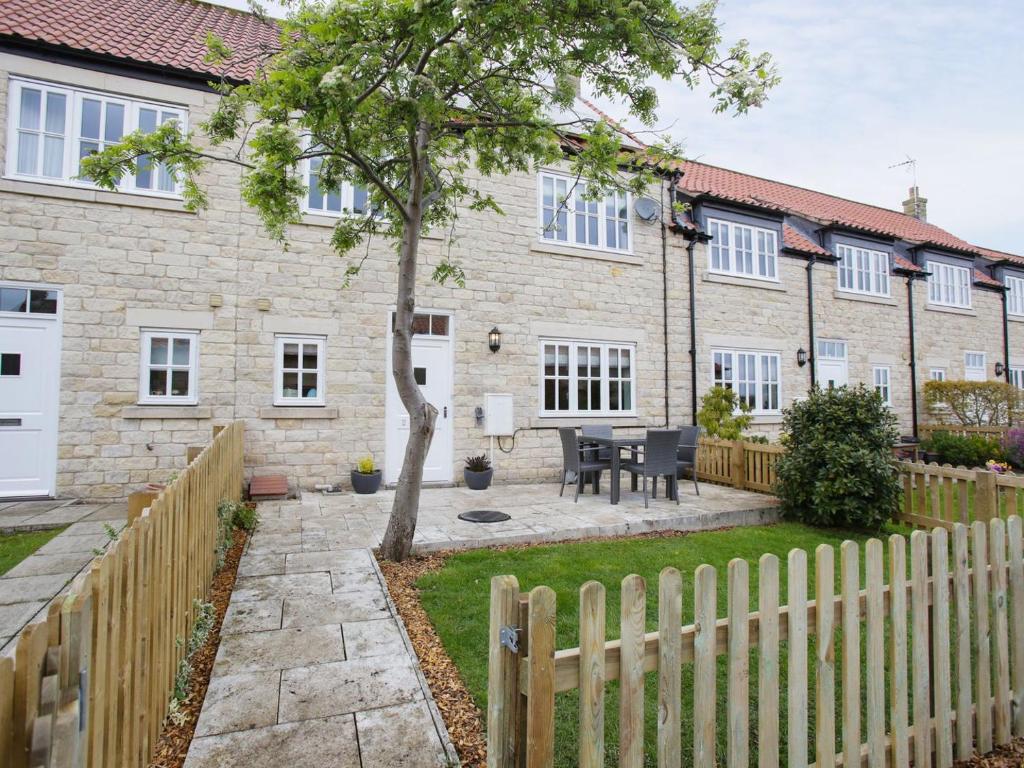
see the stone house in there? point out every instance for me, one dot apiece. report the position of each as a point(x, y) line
point(130, 326)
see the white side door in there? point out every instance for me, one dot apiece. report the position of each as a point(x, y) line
point(833, 369)
point(29, 390)
point(432, 367)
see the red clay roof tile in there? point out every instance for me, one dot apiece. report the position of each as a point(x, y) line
point(798, 242)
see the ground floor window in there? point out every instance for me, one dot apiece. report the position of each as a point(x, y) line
point(299, 370)
point(937, 374)
point(753, 376)
point(974, 366)
point(1017, 377)
point(169, 367)
point(880, 374)
point(587, 378)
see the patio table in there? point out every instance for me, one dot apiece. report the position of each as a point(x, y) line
point(616, 444)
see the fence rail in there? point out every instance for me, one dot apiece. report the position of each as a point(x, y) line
point(941, 495)
point(90, 685)
point(739, 463)
point(917, 642)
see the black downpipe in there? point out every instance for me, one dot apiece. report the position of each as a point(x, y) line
point(1006, 337)
point(813, 353)
point(693, 332)
point(664, 290)
point(913, 353)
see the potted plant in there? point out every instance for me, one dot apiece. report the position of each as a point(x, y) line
point(365, 477)
point(478, 472)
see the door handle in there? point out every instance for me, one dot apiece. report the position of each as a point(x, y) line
point(10, 422)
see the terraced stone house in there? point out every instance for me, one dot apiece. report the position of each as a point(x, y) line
point(130, 326)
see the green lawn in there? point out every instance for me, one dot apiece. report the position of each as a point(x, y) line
point(456, 598)
point(17, 546)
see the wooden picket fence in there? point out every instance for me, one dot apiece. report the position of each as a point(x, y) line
point(941, 495)
point(90, 685)
point(739, 463)
point(950, 690)
point(962, 430)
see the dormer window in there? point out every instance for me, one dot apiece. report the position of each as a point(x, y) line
point(568, 217)
point(949, 285)
point(862, 270)
point(743, 250)
point(1015, 296)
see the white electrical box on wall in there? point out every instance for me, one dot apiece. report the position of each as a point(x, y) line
point(498, 415)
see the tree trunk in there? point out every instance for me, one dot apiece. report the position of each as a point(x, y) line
point(397, 542)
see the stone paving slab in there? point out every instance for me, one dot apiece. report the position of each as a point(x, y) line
point(239, 702)
point(262, 565)
point(335, 609)
point(401, 735)
point(326, 743)
point(278, 649)
point(24, 589)
point(284, 585)
point(18, 614)
point(377, 637)
point(252, 616)
point(42, 565)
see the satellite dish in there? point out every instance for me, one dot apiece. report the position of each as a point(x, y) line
point(647, 209)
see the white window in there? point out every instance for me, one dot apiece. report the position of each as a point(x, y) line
point(587, 378)
point(753, 376)
point(347, 199)
point(949, 285)
point(880, 373)
point(1017, 377)
point(937, 374)
point(568, 216)
point(974, 366)
point(738, 249)
point(299, 370)
point(169, 368)
point(1015, 295)
point(53, 127)
point(863, 271)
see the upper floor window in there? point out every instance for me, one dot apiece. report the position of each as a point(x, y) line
point(949, 285)
point(739, 249)
point(169, 368)
point(346, 199)
point(587, 378)
point(753, 376)
point(299, 370)
point(1015, 295)
point(53, 127)
point(974, 366)
point(863, 271)
point(567, 216)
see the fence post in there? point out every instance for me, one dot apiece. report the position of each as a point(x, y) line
point(986, 496)
point(502, 674)
point(738, 464)
point(540, 705)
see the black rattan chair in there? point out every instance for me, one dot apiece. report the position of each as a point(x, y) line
point(576, 463)
point(689, 445)
point(660, 454)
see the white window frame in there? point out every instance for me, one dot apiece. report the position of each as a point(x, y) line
point(320, 342)
point(346, 195)
point(605, 378)
point(863, 270)
point(881, 377)
point(937, 374)
point(145, 365)
point(1016, 377)
point(74, 98)
point(573, 191)
point(735, 245)
point(949, 285)
point(975, 372)
point(1015, 296)
point(759, 380)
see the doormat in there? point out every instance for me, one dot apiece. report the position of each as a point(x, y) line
point(484, 516)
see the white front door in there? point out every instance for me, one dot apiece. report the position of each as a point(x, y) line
point(833, 371)
point(432, 367)
point(29, 387)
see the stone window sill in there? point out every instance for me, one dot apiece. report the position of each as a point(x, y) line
point(584, 253)
point(950, 310)
point(576, 421)
point(767, 418)
point(746, 282)
point(853, 296)
point(166, 412)
point(291, 412)
point(68, 192)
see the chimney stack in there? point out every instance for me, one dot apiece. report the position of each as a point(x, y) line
point(915, 205)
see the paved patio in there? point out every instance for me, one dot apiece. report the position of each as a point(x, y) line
point(29, 587)
point(538, 514)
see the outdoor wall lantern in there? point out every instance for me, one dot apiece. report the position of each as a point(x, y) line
point(801, 357)
point(494, 339)
point(1000, 368)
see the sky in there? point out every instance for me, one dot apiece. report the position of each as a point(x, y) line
point(865, 85)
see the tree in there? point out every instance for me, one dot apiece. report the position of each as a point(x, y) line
point(408, 98)
point(723, 415)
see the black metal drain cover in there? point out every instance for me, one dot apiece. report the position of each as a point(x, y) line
point(484, 516)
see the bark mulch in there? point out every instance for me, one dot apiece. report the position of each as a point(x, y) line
point(1008, 756)
point(175, 739)
point(463, 718)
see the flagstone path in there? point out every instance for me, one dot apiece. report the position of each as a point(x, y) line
point(314, 667)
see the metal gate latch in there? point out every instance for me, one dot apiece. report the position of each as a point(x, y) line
point(509, 637)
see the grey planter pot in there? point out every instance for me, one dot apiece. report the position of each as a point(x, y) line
point(478, 481)
point(365, 483)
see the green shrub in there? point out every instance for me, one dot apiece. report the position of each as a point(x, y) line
point(365, 465)
point(722, 415)
point(973, 403)
point(245, 517)
point(969, 451)
point(838, 469)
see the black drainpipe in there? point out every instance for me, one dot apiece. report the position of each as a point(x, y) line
point(913, 353)
point(664, 287)
point(1006, 337)
point(693, 331)
point(813, 353)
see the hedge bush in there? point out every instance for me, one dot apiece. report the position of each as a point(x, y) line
point(969, 450)
point(973, 403)
point(838, 469)
point(722, 415)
